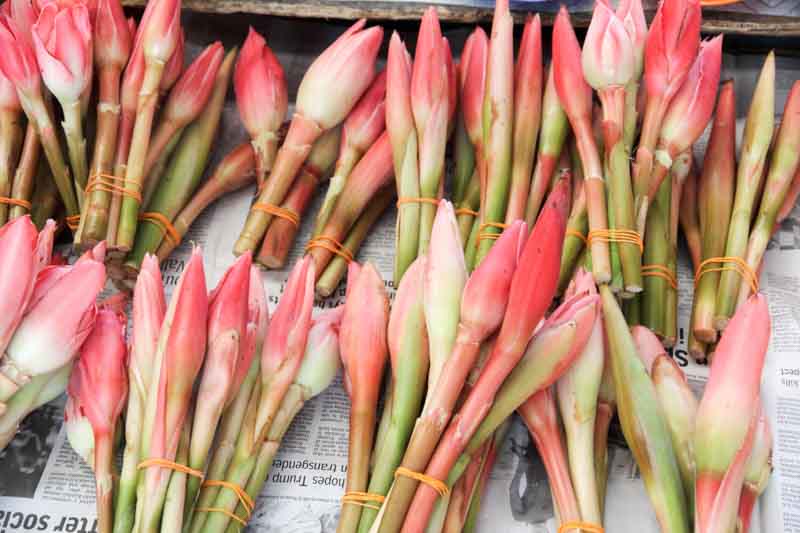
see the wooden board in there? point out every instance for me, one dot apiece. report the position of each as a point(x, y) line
point(753, 17)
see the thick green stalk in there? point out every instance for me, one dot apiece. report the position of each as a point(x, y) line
point(10, 139)
point(172, 516)
point(471, 246)
point(464, 155)
point(362, 431)
point(185, 169)
point(631, 115)
point(94, 222)
point(46, 200)
point(642, 422)
point(619, 184)
point(229, 429)
point(140, 141)
point(471, 201)
point(337, 268)
point(656, 252)
point(715, 201)
point(153, 175)
point(757, 138)
point(617, 282)
point(408, 213)
point(25, 174)
point(76, 145)
point(409, 372)
point(344, 166)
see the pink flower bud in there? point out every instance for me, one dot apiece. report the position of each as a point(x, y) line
point(57, 323)
point(160, 29)
point(368, 119)
point(486, 294)
point(260, 87)
point(692, 106)
point(399, 117)
point(174, 67)
point(188, 97)
point(429, 89)
point(473, 83)
point(349, 65)
point(18, 60)
point(149, 309)
point(98, 387)
point(607, 56)
point(257, 323)
point(362, 334)
point(18, 267)
point(63, 43)
point(631, 14)
point(671, 48)
point(573, 91)
point(113, 38)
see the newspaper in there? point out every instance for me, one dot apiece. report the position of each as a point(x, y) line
point(45, 486)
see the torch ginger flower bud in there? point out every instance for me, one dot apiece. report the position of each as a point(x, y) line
point(608, 55)
point(473, 85)
point(160, 30)
point(179, 357)
point(18, 271)
point(321, 361)
point(18, 61)
point(364, 124)
point(190, 94)
point(363, 347)
point(347, 64)
point(445, 277)
point(55, 324)
point(727, 415)
point(96, 395)
point(113, 38)
point(285, 343)
point(261, 97)
point(174, 67)
point(63, 43)
point(631, 14)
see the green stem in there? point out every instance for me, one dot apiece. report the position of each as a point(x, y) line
point(408, 213)
point(10, 137)
point(25, 175)
point(362, 430)
point(76, 144)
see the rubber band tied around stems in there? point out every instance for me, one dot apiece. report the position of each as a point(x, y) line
point(164, 226)
point(280, 212)
point(244, 499)
point(488, 235)
point(401, 201)
point(577, 235)
point(436, 484)
point(583, 526)
point(166, 463)
point(26, 205)
point(616, 235)
point(112, 184)
point(332, 245)
point(363, 499)
point(737, 264)
point(73, 221)
point(663, 272)
point(466, 211)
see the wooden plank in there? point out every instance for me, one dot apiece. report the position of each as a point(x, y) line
point(739, 20)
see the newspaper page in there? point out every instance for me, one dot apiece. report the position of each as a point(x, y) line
point(45, 486)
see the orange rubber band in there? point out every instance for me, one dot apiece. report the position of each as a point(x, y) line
point(583, 526)
point(14, 201)
point(466, 211)
point(738, 265)
point(436, 484)
point(332, 245)
point(489, 235)
point(232, 516)
point(244, 498)
point(73, 222)
point(363, 499)
point(616, 235)
point(113, 184)
point(280, 212)
point(401, 201)
point(661, 271)
point(164, 225)
point(577, 234)
point(166, 463)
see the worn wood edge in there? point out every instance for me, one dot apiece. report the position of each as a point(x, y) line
point(712, 23)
